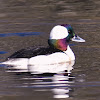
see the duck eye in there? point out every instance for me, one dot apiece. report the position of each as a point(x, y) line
point(69, 31)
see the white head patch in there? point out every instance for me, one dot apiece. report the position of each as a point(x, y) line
point(58, 32)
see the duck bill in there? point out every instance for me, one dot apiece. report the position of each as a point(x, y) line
point(76, 38)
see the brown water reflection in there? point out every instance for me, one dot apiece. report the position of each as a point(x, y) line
point(18, 16)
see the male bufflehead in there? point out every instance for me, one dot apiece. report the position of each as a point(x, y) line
point(44, 59)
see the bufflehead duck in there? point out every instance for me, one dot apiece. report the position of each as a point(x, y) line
point(43, 59)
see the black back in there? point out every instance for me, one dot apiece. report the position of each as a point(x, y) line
point(34, 51)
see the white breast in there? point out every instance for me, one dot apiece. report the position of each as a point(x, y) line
point(53, 63)
point(54, 58)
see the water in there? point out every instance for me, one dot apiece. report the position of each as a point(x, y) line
point(25, 23)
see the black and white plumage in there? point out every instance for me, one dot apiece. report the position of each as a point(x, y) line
point(54, 58)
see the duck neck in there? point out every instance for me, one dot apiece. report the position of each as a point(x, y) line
point(70, 53)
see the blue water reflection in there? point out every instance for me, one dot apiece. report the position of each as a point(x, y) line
point(3, 52)
point(20, 34)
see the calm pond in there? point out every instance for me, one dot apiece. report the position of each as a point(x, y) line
point(25, 23)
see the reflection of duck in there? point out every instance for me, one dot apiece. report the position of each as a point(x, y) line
point(43, 59)
point(63, 85)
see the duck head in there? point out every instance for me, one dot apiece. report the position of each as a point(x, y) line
point(61, 35)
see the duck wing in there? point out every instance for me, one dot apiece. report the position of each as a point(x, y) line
point(33, 51)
